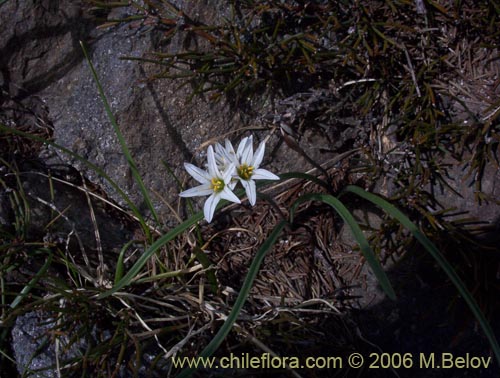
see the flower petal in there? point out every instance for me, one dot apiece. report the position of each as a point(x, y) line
point(228, 173)
point(241, 147)
point(230, 150)
point(201, 190)
point(246, 156)
point(249, 186)
point(197, 173)
point(213, 171)
point(227, 194)
point(210, 205)
point(264, 174)
point(220, 154)
point(229, 153)
point(259, 155)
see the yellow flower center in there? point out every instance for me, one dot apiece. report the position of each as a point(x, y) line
point(245, 171)
point(217, 184)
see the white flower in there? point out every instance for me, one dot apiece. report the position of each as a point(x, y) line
point(246, 163)
point(226, 157)
point(214, 183)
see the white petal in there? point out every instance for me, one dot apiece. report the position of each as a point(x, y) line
point(228, 173)
point(259, 155)
point(221, 164)
point(220, 154)
point(198, 174)
point(246, 156)
point(242, 146)
point(264, 174)
point(219, 150)
point(249, 186)
point(227, 194)
point(230, 149)
point(210, 205)
point(213, 171)
point(201, 190)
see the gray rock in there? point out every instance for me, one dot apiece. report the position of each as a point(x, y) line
point(43, 349)
point(34, 350)
point(39, 42)
point(40, 54)
point(157, 122)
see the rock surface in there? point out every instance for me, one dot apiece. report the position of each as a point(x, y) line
point(38, 356)
point(39, 42)
point(157, 122)
point(157, 125)
point(30, 336)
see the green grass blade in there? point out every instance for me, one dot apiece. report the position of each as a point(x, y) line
point(242, 297)
point(366, 250)
point(207, 265)
point(159, 243)
point(121, 139)
point(121, 257)
point(432, 249)
point(26, 289)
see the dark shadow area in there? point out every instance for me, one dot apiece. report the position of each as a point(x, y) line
point(431, 321)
